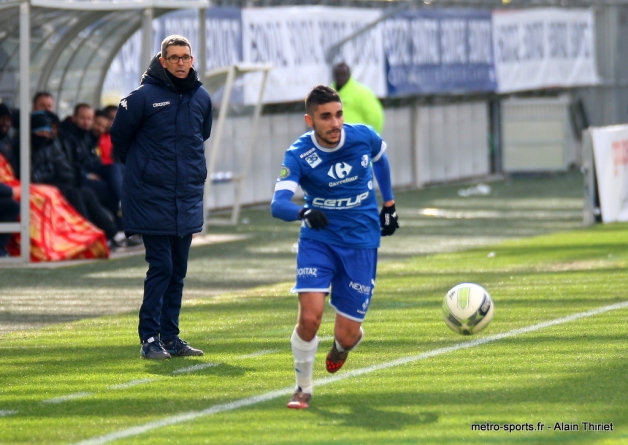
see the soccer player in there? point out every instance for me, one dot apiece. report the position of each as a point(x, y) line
point(340, 229)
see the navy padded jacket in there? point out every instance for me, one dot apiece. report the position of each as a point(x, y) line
point(159, 134)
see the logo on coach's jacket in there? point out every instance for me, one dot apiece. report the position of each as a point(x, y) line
point(123, 104)
point(161, 104)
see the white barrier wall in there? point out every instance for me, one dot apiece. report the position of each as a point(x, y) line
point(451, 142)
point(426, 144)
point(537, 135)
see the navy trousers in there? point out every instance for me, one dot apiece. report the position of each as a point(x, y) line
point(167, 258)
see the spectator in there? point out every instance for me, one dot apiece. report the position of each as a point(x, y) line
point(80, 147)
point(6, 122)
point(43, 101)
point(49, 165)
point(359, 103)
point(9, 211)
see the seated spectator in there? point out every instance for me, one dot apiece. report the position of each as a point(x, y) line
point(9, 212)
point(57, 230)
point(49, 165)
point(6, 124)
point(79, 143)
point(43, 101)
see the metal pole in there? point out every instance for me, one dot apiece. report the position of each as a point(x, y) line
point(201, 52)
point(217, 136)
point(147, 37)
point(25, 134)
point(249, 150)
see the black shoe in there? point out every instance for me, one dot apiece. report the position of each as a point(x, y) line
point(180, 348)
point(153, 348)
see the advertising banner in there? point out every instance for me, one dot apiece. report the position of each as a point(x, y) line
point(295, 40)
point(440, 50)
point(610, 152)
point(542, 48)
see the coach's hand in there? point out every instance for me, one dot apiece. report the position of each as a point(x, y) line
point(388, 220)
point(315, 219)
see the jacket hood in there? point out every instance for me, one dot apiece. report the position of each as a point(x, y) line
point(157, 74)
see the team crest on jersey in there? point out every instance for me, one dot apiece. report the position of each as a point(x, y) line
point(313, 160)
point(284, 173)
point(365, 161)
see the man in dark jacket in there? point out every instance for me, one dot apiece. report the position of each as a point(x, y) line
point(159, 133)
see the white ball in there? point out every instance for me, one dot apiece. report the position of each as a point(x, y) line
point(467, 308)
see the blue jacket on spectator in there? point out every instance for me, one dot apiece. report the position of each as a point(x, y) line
point(159, 134)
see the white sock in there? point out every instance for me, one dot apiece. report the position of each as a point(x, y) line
point(303, 353)
point(341, 349)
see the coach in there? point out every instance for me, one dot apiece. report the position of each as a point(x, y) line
point(159, 133)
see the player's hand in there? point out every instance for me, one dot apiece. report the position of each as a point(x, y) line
point(388, 220)
point(315, 219)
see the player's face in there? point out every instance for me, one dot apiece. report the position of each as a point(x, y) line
point(326, 121)
point(178, 61)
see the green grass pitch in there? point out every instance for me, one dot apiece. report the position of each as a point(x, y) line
point(73, 379)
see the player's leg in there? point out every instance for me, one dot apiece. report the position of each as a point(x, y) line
point(304, 344)
point(351, 296)
point(347, 336)
point(312, 284)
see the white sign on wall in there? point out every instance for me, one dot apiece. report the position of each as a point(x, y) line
point(543, 48)
point(295, 41)
point(610, 151)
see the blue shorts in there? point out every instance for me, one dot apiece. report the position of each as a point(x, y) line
point(349, 274)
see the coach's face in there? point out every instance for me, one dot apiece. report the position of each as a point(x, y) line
point(326, 120)
point(177, 60)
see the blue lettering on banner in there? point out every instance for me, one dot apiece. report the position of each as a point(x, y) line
point(557, 39)
point(433, 51)
point(267, 43)
point(507, 43)
point(303, 46)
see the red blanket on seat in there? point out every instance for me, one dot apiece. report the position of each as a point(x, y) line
point(58, 232)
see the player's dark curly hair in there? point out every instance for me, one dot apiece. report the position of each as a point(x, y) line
point(320, 95)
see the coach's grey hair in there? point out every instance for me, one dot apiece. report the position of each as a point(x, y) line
point(174, 39)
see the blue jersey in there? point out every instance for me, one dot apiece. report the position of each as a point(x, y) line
point(338, 181)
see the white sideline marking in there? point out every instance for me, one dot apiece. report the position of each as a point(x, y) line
point(7, 412)
point(194, 368)
point(258, 353)
point(326, 338)
point(184, 417)
point(76, 395)
point(130, 384)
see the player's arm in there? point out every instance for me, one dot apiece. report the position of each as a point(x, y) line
point(388, 214)
point(281, 206)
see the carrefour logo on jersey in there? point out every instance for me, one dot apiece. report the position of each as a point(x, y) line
point(340, 171)
point(341, 203)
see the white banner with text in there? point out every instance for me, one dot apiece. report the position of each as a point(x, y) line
point(295, 40)
point(544, 48)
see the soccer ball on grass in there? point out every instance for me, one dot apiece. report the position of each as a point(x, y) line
point(467, 308)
